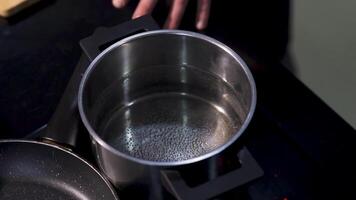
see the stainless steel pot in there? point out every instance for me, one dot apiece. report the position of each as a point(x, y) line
point(163, 99)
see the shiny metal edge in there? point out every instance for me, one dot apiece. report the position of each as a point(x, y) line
point(175, 32)
point(107, 182)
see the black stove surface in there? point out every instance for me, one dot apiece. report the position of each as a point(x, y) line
point(304, 148)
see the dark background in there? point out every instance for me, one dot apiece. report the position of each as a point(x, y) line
point(305, 149)
point(40, 47)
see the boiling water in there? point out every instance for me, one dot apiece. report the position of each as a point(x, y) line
point(176, 122)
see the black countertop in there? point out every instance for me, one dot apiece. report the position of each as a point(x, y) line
point(305, 148)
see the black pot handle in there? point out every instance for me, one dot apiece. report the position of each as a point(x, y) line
point(63, 127)
point(248, 171)
point(104, 37)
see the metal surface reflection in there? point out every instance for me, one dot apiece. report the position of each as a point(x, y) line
point(164, 99)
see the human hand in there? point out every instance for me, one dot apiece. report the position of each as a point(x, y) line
point(176, 11)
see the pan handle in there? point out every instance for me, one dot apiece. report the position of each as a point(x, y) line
point(103, 37)
point(63, 127)
point(248, 171)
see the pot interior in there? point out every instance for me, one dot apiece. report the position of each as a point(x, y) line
point(167, 97)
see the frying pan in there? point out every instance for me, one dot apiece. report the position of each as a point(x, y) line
point(36, 170)
point(49, 170)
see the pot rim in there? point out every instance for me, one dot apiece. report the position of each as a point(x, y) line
point(233, 54)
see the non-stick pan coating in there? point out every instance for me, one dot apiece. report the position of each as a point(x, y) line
point(34, 170)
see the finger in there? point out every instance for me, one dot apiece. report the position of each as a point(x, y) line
point(176, 14)
point(144, 7)
point(203, 13)
point(119, 3)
